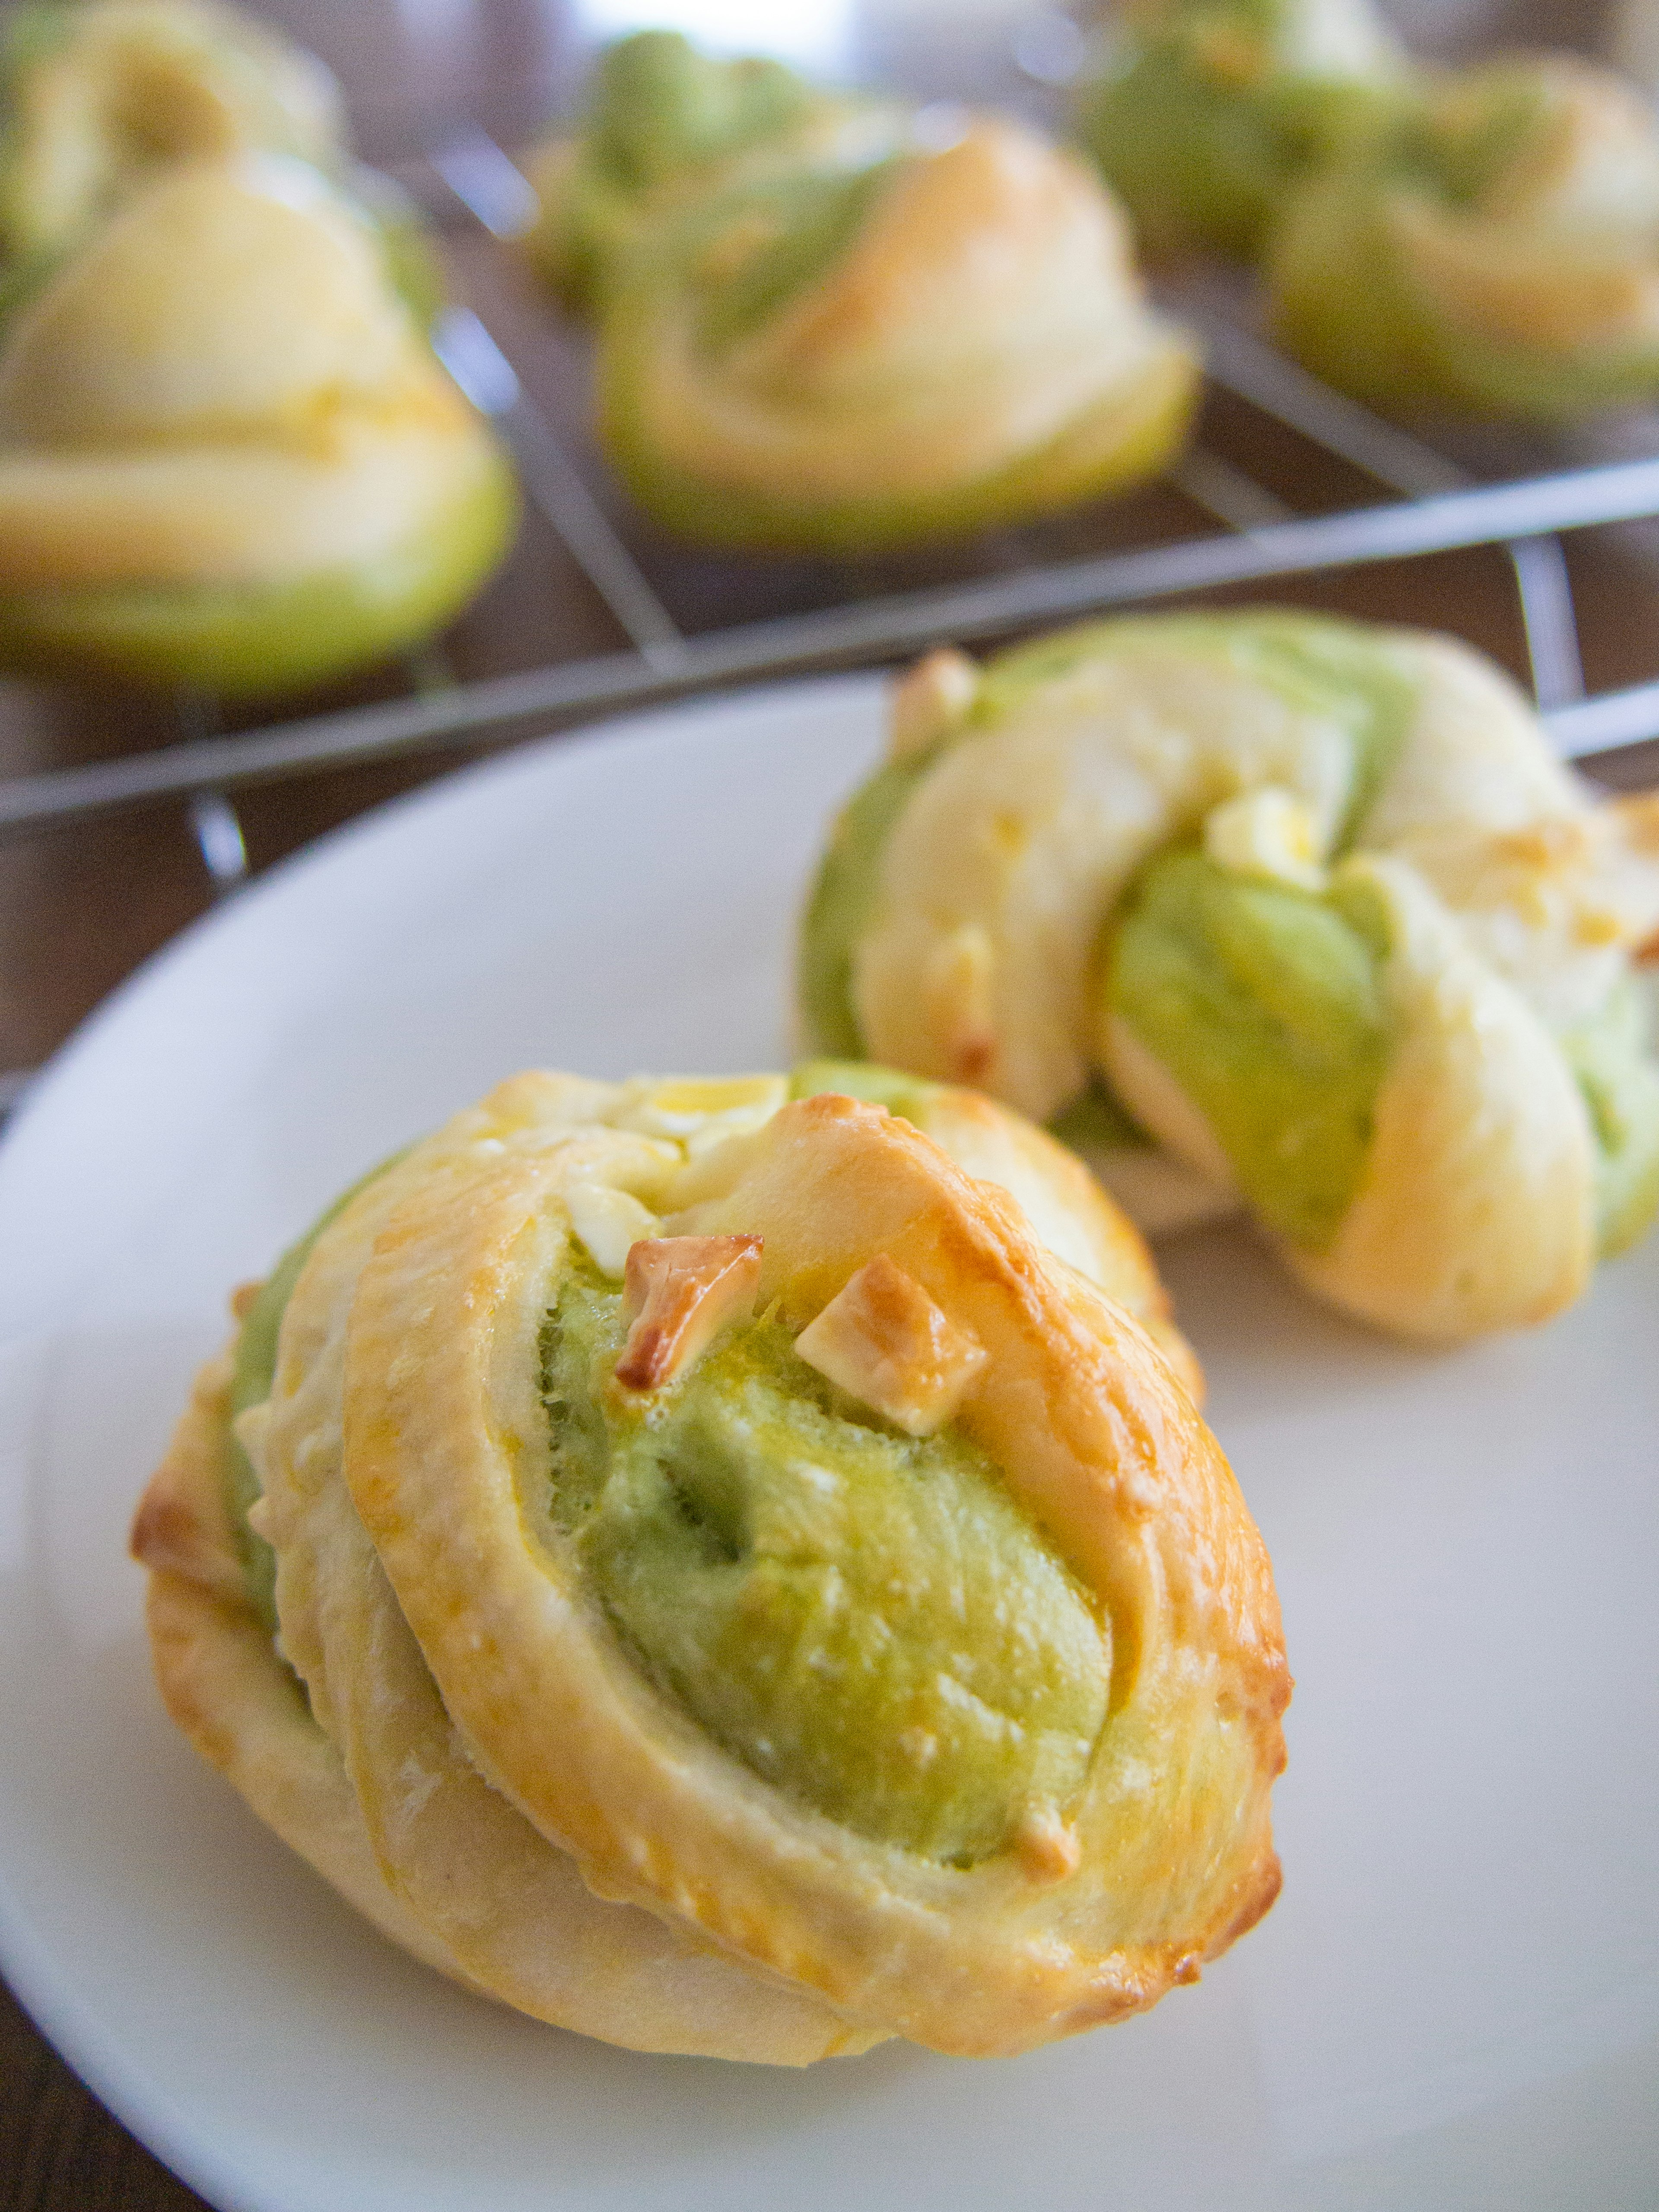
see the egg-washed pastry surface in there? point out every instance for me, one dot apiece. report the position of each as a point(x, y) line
point(1205, 113)
point(833, 324)
point(97, 98)
point(1313, 905)
point(1494, 252)
point(228, 454)
point(737, 1591)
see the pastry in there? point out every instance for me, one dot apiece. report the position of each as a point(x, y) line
point(1314, 904)
point(866, 328)
point(97, 97)
point(664, 123)
point(1494, 252)
point(738, 1591)
point(1206, 112)
point(228, 454)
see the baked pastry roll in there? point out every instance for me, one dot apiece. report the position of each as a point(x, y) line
point(737, 1591)
point(228, 454)
point(97, 97)
point(1314, 904)
point(1494, 252)
point(664, 124)
point(1205, 113)
point(855, 327)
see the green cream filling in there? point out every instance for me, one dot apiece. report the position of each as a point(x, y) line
point(800, 226)
point(661, 107)
point(867, 1620)
point(1205, 122)
point(1265, 1004)
point(661, 112)
point(1611, 1057)
point(906, 1095)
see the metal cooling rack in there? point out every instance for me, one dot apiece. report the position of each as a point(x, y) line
point(1430, 506)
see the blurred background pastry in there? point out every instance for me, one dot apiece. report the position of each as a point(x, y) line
point(1493, 251)
point(228, 454)
point(1205, 113)
point(1315, 903)
point(835, 326)
point(97, 97)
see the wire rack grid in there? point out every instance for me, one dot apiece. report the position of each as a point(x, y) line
point(1430, 506)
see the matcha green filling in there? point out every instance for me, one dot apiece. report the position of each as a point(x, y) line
point(1265, 1004)
point(1610, 1058)
point(906, 1095)
point(661, 114)
point(1093, 1121)
point(802, 225)
point(1199, 157)
point(865, 1620)
point(661, 107)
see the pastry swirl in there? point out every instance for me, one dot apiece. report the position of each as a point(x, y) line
point(1208, 112)
point(750, 1598)
point(1315, 903)
point(228, 455)
point(101, 96)
point(842, 327)
point(1506, 225)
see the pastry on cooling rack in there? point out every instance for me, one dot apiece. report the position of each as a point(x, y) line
point(738, 1590)
point(1495, 251)
point(852, 326)
point(1205, 112)
point(1315, 905)
point(663, 122)
point(228, 454)
point(97, 97)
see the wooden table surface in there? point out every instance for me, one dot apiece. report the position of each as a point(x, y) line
point(81, 906)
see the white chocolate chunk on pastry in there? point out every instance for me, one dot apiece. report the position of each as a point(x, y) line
point(885, 1342)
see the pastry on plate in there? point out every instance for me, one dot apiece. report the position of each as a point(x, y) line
point(863, 326)
point(736, 1590)
point(228, 456)
point(1204, 113)
point(1494, 252)
point(97, 97)
point(1312, 904)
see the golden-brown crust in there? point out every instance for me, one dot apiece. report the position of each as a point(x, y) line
point(224, 1684)
point(1094, 1436)
point(504, 1795)
point(468, 1886)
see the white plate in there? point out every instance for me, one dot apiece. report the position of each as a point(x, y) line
point(1456, 2001)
